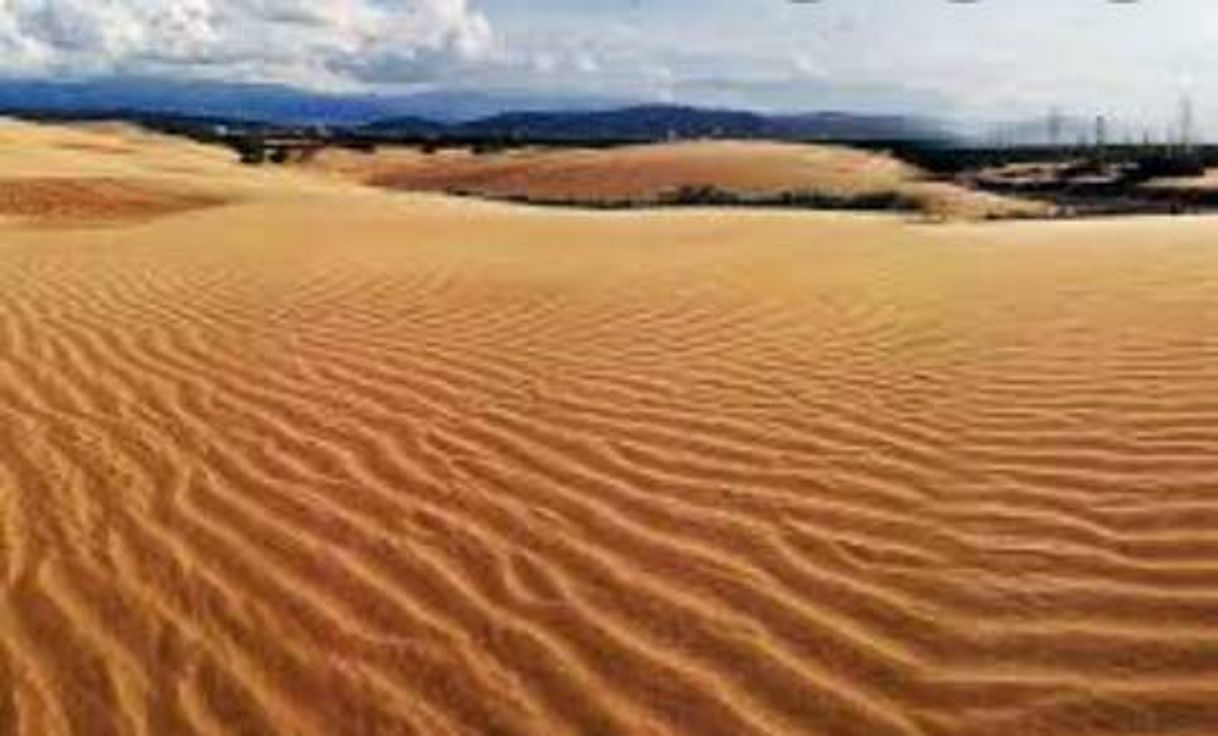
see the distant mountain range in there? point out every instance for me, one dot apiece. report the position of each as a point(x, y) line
point(434, 113)
point(269, 103)
point(652, 122)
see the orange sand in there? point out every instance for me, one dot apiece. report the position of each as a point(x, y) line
point(329, 460)
point(645, 173)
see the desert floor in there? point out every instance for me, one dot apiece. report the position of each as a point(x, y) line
point(280, 454)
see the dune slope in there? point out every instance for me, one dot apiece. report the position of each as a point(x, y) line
point(647, 173)
point(79, 200)
point(329, 461)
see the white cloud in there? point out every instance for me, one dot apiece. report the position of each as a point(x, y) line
point(544, 62)
point(314, 42)
point(586, 62)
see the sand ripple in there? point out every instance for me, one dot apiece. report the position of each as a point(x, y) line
point(323, 470)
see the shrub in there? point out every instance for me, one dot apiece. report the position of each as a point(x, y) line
point(1168, 165)
point(251, 150)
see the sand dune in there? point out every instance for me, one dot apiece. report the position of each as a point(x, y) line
point(628, 172)
point(647, 172)
point(336, 461)
point(83, 200)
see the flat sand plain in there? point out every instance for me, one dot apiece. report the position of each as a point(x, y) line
point(319, 459)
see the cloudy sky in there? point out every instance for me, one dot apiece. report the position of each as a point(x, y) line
point(998, 59)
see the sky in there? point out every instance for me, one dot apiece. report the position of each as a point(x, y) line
point(993, 60)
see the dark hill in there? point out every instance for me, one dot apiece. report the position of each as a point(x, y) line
point(658, 122)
